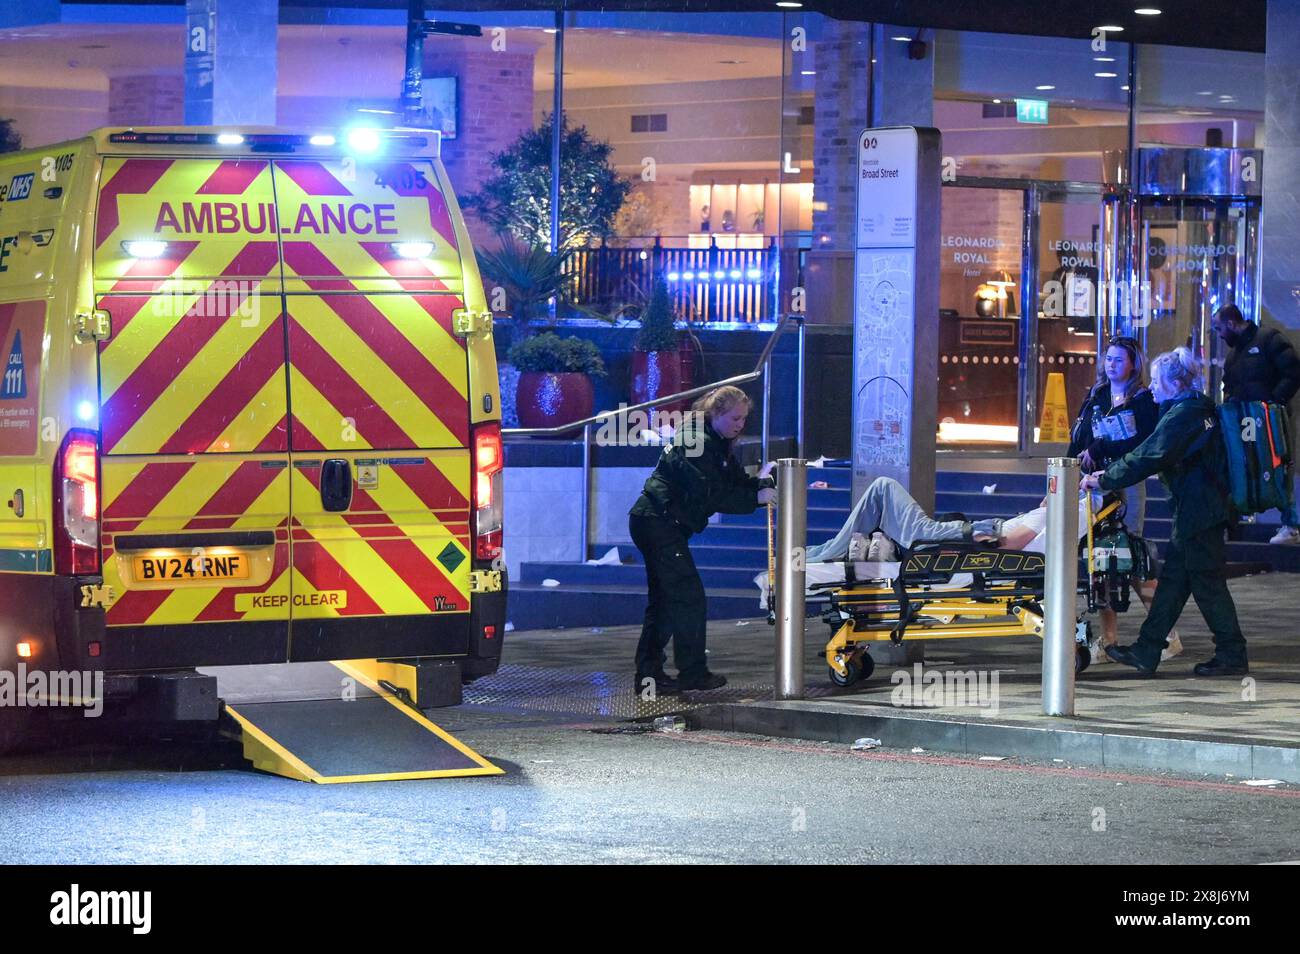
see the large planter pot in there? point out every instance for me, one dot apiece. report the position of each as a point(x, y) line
point(545, 399)
point(656, 373)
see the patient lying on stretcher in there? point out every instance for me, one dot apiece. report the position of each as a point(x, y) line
point(889, 508)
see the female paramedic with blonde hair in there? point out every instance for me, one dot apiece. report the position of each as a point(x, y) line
point(1188, 453)
point(696, 476)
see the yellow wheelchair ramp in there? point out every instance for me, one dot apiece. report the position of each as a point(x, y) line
point(362, 734)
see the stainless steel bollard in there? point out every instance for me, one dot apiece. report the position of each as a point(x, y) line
point(791, 544)
point(1062, 578)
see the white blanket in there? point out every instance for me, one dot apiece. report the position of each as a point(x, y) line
point(823, 573)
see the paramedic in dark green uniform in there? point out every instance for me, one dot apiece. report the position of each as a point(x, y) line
point(696, 477)
point(1187, 451)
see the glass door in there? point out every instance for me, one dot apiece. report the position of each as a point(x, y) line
point(1195, 255)
point(981, 325)
point(1065, 243)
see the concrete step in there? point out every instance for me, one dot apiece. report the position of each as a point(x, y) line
point(540, 607)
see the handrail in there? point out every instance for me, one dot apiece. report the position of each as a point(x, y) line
point(603, 416)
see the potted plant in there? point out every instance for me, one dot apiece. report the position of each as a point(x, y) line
point(555, 379)
point(656, 352)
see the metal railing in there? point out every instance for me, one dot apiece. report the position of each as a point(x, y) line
point(761, 370)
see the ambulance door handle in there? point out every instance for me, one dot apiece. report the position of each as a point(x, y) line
point(336, 484)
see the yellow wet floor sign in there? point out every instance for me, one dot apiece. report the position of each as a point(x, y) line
point(367, 736)
point(1054, 425)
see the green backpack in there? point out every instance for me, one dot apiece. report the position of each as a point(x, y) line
point(1255, 435)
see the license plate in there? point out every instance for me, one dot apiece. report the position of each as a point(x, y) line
point(182, 566)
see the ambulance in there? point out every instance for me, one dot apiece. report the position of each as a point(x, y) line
point(248, 412)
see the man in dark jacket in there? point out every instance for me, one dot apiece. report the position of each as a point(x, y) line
point(696, 477)
point(1187, 451)
point(1261, 365)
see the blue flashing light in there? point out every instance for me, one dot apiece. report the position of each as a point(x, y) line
point(754, 274)
point(363, 139)
point(735, 274)
point(719, 274)
point(673, 276)
point(85, 411)
point(688, 276)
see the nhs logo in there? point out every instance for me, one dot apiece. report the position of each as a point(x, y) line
point(21, 187)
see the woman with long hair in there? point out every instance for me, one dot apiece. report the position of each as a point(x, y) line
point(1118, 414)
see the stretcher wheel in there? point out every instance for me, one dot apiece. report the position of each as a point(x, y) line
point(852, 673)
point(858, 667)
point(1082, 657)
point(867, 664)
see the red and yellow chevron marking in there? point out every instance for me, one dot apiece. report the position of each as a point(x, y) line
point(389, 553)
point(193, 382)
point(376, 371)
point(217, 216)
point(206, 493)
point(341, 218)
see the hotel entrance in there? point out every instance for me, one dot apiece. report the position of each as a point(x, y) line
point(1034, 275)
point(1018, 319)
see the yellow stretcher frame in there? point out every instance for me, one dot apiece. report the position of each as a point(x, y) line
point(994, 611)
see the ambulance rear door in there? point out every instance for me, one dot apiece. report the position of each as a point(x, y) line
point(193, 412)
point(379, 413)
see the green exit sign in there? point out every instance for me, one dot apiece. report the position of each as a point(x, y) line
point(1031, 111)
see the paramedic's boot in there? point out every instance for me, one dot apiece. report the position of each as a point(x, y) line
point(710, 680)
point(652, 684)
point(1287, 536)
point(1125, 655)
point(1221, 667)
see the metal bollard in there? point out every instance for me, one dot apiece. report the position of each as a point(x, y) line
point(791, 543)
point(1062, 579)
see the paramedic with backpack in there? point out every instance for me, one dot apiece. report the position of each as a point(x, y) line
point(1187, 451)
point(1261, 365)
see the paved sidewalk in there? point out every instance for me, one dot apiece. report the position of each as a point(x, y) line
point(1251, 725)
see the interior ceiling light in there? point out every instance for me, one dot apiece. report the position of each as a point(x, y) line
point(1111, 29)
point(1045, 86)
point(902, 39)
point(1147, 12)
point(789, 4)
point(1105, 75)
point(1104, 59)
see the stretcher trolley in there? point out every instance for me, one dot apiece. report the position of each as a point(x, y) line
point(961, 590)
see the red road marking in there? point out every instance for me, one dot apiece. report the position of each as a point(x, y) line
point(958, 762)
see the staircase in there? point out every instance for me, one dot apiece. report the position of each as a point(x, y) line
point(731, 552)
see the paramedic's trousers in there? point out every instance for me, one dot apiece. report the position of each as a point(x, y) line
point(1194, 567)
point(677, 609)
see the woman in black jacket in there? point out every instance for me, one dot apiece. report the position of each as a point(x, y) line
point(696, 477)
point(1118, 415)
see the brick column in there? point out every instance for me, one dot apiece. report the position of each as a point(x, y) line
point(843, 62)
point(495, 94)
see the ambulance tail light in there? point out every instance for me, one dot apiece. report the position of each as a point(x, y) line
point(76, 505)
point(489, 480)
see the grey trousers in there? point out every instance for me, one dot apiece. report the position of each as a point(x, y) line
point(888, 507)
